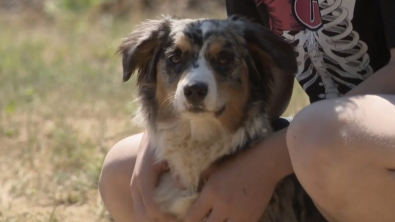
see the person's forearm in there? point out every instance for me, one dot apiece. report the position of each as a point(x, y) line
point(381, 82)
point(272, 153)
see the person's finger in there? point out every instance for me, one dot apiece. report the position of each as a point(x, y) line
point(205, 175)
point(141, 187)
point(152, 208)
point(177, 180)
point(167, 218)
point(233, 220)
point(199, 210)
point(148, 208)
point(217, 216)
point(147, 187)
point(138, 207)
point(161, 166)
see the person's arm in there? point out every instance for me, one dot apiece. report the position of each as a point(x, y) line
point(143, 183)
point(273, 152)
point(240, 188)
point(381, 82)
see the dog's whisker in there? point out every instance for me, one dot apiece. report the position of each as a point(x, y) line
point(169, 97)
point(168, 106)
point(170, 101)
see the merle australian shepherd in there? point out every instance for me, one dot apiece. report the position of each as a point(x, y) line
point(203, 87)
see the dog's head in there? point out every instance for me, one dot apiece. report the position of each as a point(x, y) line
point(195, 69)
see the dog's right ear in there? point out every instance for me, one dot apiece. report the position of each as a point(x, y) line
point(140, 50)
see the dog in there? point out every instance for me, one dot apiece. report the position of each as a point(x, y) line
point(204, 86)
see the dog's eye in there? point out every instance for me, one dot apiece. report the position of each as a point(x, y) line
point(175, 58)
point(225, 57)
point(223, 60)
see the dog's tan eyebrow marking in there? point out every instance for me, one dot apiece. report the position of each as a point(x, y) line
point(182, 42)
point(217, 45)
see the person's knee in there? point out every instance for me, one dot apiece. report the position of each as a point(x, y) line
point(314, 139)
point(118, 166)
point(318, 134)
point(318, 126)
point(339, 143)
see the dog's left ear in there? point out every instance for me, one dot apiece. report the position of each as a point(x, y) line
point(272, 64)
point(262, 43)
point(141, 49)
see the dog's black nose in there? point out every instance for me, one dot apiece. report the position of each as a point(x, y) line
point(195, 92)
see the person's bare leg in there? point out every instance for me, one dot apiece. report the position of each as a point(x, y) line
point(114, 184)
point(343, 153)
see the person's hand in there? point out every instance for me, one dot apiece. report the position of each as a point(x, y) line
point(240, 188)
point(143, 183)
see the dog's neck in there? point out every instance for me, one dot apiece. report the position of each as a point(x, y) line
point(191, 146)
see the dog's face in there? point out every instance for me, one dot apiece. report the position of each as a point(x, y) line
point(202, 72)
point(201, 69)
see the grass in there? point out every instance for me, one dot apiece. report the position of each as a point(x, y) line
point(62, 106)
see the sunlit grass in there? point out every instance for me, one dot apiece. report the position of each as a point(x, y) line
point(62, 105)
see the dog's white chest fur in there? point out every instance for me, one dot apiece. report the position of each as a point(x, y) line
point(190, 147)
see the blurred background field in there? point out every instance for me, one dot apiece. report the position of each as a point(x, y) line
point(62, 101)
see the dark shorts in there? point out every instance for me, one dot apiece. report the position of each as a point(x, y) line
point(281, 123)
